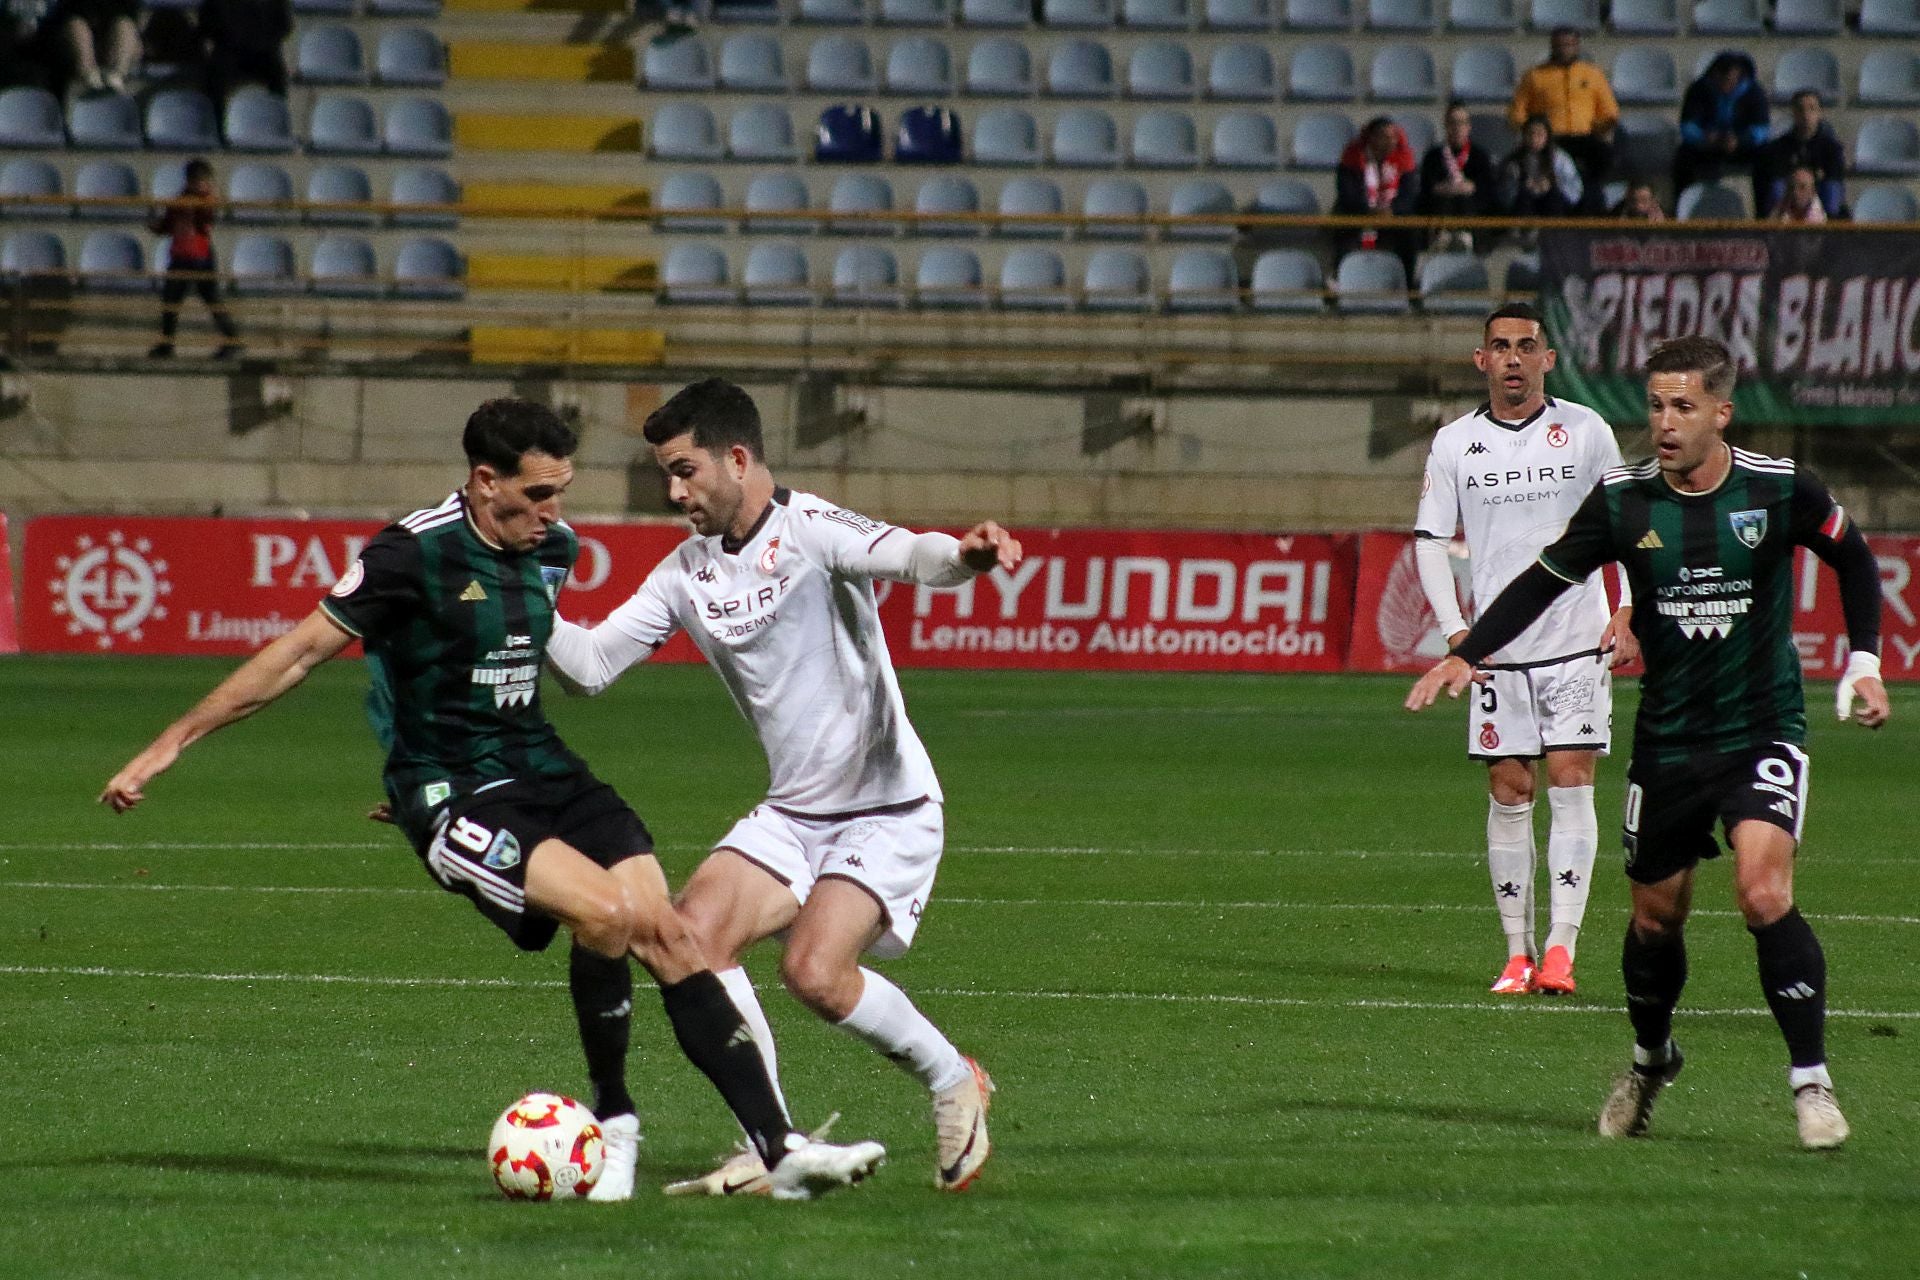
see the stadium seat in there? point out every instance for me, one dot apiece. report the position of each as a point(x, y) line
point(1644, 75)
point(429, 268)
point(1371, 282)
point(1033, 280)
point(1319, 138)
point(1645, 142)
point(995, 13)
point(834, 13)
point(1523, 274)
point(1114, 198)
point(1402, 15)
point(31, 118)
point(694, 274)
point(1203, 280)
point(343, 266)
point(412, 57)
point(1645, 17)
point(1155, 15)
point(33, 253)
point(258, 121)
point(1030, 197)
point(771, 195)
point(1419, 129)
point(776, 275)
point(919, 65)
point(839, 64)
point(1900, 18)
point(999, 67)
point(329, 56)
point(262, 266)
point(685, 131)
point(113, 262)
point(865, 275)
point(859, 194)
point(949, 278)
point(743, 10)
point(1889, 78)
point(1581, 15)
point(1287, 281)
point(416, 192)
point(1085, 138)
point(105, 122)
point(1454, 284)
point(1241, 72)
point(106, 180)
point(1006, 135)
point(1077, 15)
point(341, 125)
point(681, 63)
point(948, 193)
point(343, 185)
point(1709, 201)
point(1245, 140)
point(1200, 197)
point(1165, 140)
point(684, 199)
point(928, 135)
point(326, 8)
point(28, 179)
point(1285, 195)
point(1317, 15)
point(1484, 73)
point(182, 120)
point(848, 135)
point(1403, 73)
point(1080, 69)
point(1886, 204)
point(1808, 17)
point(1160, 69)
point(1483, 15)
point(403, 8)
point(418, 127)
point(1320, 73)
point(168, 180)
point(762, 131)
point(914, 13)
point(1116, 280)
point(1807, 67)
point(1887, 145)
point(1728, 18)
point(1238, 15)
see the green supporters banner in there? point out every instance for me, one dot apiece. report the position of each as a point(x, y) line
point(1825, 323)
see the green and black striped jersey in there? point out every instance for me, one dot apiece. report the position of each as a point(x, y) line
point(456, 633)
point(1712, 578)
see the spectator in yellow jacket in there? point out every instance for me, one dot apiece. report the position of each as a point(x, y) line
point(1574, 96)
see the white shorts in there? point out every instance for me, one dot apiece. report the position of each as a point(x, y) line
point(1563, 706)
point(892, 855)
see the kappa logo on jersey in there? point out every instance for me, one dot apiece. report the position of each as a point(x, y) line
point(1557, 436)
point(1586, 731)
point(1489, 736)
point(1476, 447)
point(473, 594)
point(1651, 542)
point(770, 556)
point(1749, 526)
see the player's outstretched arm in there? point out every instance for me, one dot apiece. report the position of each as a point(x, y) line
point(264, 677)
point(1451, 673)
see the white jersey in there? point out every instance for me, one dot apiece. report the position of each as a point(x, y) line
point(789, 622)
point(1512, 486)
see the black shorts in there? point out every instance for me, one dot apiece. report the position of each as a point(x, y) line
point(1671, 808)
point(475, 843)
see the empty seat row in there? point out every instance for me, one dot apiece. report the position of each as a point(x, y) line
point(254, 120)
point(109, 190)
point(259, 265)
point(410, 56)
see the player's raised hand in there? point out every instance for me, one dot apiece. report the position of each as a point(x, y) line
point(1619, 638)
point(126, 788)
point(1861, 684)
point(987, 546)
point(1450, 673)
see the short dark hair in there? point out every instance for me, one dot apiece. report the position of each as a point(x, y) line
point(199, 167)
point(1513, 311)
point(1705, 356)
point(1456, 104)
point(500, 431)
point(718, 413)
point(1559, 31)
point(1807, 93)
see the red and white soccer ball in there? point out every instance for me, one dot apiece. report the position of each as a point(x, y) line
point(546, 1147)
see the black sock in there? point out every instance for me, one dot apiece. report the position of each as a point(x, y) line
point(1793, 974)
point(1655, 968)
point(603, 1005)
point(716, 1040)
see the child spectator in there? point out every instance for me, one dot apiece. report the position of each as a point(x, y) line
point(1802, 200)
point(1639, 205)
point(188, 225)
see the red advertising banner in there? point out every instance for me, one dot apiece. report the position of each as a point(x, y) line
point(1393, 629)
point(9, 635)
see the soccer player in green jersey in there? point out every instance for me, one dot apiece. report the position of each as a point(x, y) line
point(1706, 532)
point(455, 604)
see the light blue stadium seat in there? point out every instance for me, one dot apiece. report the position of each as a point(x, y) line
point(1644, 75)
point(262, 266)
point(1160, 69)
point(1523, 275)
point(1029, 196)
point(1484, 73)
point(865, 275)
point(1319, 138)
point(404, 8)
point(1645, 142)
point(343, 266)
point(1808, 17)
point(1419, 128)
point(1886, 204)
point(1033, 280)
point(776, 275)
point(999, 67)
point(928, 135)
point(1317, 15)
point(1454, 284)
point(418, 193)
point(1581, 15)
point(329, 55)
point(1483, 15)
point(412, 57)
point(1709, 201)
point(949, 278)
point(1403, 73)
point(29, 179)
point(762, 131)
point(1887, 145)
point(1116, 280)
point(1402, 15)
point(835, 13)
point(995, 13)
point(848, 134)
point(771, 195)
point(33, 253)
point(1245, 140)
point(105, 122)
point(1728, 18)
point(1085, 138)
point(1320, 73)
point(1203, 280)
point(259, 183)
point(946, 194)
point(860, 194)
point(182, 120)
point(1155, 15)
point(1285, 195)
point(914, 13)
point(1200, 197)
point(107, 180)
point(169, 179)
point(681, 63)
point(839, 64)
point(1899, 18)
point(685, 131)
point(341, 185)
point(1077, 15)
point(1807, 67)
point(429, 268)
point(258, 121)
point(1645, 17)
point(1080, 69)
point(1889, 78)
point(418, 127)
point(1287, 281)
point(323, 8)
point(342, 125)
point(1115, 198)
point(31, 118)
point(743, 10)
point(695, 274)
point(113, 262)
point(1371, 282)
point(1006, 135)
point(1237, 15)
point(919, 65)
point(684, 200)
point(1241, 72)
point(1165, 139)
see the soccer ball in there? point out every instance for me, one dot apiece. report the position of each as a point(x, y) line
point(545, 1147)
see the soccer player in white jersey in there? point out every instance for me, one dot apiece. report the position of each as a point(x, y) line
point(1510, 474)
point(776, 589)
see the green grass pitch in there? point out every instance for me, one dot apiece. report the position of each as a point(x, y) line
point(1224, 943)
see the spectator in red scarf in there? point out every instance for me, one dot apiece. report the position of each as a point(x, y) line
point(1457, 178)
point(188, 225)
point(1378, 175)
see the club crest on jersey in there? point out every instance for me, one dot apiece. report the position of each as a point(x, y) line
point(1489, 736)
point(770, 556)
point(1557, 436)
point(551, 576)
point(1749, 526)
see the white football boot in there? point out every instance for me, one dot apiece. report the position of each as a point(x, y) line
point(622, 1153)
point(960, 1120)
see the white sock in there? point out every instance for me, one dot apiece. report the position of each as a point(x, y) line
point(1800, 1077)
point(887, 1020)
point(1571, 842)
point(740, 991)
point(1510, 863)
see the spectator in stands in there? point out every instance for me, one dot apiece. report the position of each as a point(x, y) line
point(1809, 144)
point(1457, 178)
point(244, 39)
point(1723, 123)
point(1801, 203)
point(1378, 175)
point(1539, 180)
point(188, 225)
point(1574, 96)
point(26, 58)
point(1640, 204)
point(90, 26)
